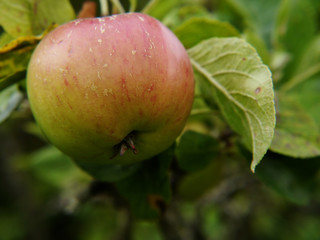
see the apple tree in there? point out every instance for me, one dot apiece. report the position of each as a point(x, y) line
point(170, 119)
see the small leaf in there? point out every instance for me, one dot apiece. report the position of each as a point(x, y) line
point(32, 17)
point(296, 133)
point(15, 17)
point(179, 15)
point(15, 56)
point(296, 26)
point(160, 8)
point(197, 29)
point(10, 99)
point(309, 65)
point(47, 12)
point(242, 87)
point(4, 39)
point(307, 95)
point(148, 190)
point(51, 166)
point(196, 151)
point(257, 16)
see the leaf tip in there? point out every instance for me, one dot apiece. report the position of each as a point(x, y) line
point(253, 166)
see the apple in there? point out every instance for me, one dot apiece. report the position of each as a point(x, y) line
point(100, 86)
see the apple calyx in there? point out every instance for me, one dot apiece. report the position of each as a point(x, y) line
point(127, 143)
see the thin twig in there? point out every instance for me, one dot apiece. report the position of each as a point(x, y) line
point(117, 4)
point(104, 7)
point(147, 8)
point(133, 5)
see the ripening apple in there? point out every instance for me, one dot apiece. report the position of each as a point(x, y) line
point(101, 86)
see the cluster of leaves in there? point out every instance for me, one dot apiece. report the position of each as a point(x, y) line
point(240, 115)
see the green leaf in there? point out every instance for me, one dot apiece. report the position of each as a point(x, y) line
point(293, 178)
point(10, 99)
point(258, 16)
point(52, 166)
point(296, 26)
point(4, 39)
point(160, 8)
point(196, 184)
point(309, 65)
point(148, 190)
point(197, 29)
point(257, 42)
point(296, 133)
point(195, 151)
point(241, 86)
point(179, 15)
point(32, 17)
point(15, 17)
point(47, 12)
point(15, 56)
point(307, 95)
point(108, 173)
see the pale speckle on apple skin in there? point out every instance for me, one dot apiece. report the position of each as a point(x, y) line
point(102, 29)
point(94, 87)
point(105, 65)
point(77, 22)
point(99, 41)
point(134, 52)
point(141, 18)
point(90, 50)
point(106, 92)
point(69, 34)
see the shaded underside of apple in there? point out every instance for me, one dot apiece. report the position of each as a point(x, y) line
point(92, 83)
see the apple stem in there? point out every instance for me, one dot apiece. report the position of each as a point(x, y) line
point(123, 149)
point(127, 143)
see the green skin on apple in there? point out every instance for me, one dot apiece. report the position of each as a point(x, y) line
point(101, 86)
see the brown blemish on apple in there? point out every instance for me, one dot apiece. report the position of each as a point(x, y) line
point(69, 105)
point(153, 99)
point(102, 29)
point(65, 82)
point(124, 86)
point(59, 99)
point(75, 79)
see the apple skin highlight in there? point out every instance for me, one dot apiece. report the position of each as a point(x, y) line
point(93, 82)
